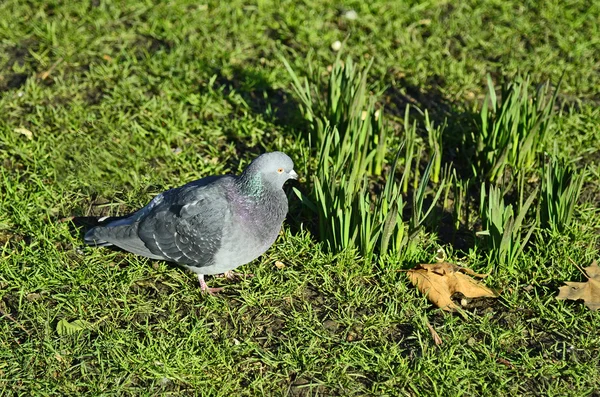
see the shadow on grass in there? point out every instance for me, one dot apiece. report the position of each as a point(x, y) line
point(275, 104)
point(80, 225)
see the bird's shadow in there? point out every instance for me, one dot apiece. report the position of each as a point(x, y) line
point(80, 225)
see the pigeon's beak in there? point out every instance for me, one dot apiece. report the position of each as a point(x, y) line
point(293, 174)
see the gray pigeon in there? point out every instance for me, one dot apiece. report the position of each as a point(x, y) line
point(212, 225)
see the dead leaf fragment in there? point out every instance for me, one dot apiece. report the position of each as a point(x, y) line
point(32, 297)
point(505, 362)
point(436, 337)
point(279, 265)
point(24, 131)
point(588, 291)
point(47, 73)
point(439, 281)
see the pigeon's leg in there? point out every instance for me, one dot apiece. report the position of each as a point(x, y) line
point(205, 288)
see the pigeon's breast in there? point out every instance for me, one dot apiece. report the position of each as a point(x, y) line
point(254, 228)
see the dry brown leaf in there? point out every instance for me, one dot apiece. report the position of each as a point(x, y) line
point(589, 291)
point(439, 281)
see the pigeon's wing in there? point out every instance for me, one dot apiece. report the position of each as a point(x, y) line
point(186, 224)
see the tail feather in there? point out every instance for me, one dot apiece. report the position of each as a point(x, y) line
point(123, 234)
point(97, 236)
point(91, 238)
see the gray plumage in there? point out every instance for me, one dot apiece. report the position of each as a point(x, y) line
point(212, 225)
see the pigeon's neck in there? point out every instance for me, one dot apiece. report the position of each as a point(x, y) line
point(260, 204)
point(251, 185)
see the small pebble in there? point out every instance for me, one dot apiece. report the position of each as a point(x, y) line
point(351, 15)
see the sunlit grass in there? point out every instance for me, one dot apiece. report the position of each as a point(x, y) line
point(125, 100)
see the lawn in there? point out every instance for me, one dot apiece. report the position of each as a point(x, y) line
point(105, 104)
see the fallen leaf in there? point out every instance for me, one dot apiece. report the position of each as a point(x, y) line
point(24, 131)
point(588, 291)
point(439, 281)
point(69, 328)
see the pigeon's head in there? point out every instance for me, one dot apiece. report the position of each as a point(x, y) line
point(274, 168)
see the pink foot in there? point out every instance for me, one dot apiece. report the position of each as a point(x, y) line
point(205, 288)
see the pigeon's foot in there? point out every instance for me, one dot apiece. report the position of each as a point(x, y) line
point(231, 275)
point(205, 288)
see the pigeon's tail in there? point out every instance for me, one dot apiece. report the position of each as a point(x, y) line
point(92, 237)
point(97, 236)
point(123, 234)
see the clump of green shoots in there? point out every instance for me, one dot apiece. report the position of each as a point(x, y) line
point(347, 215)
point(514, 129)
point(561, 188)
point(349, 136)
point(346, 106)
point(503, 227)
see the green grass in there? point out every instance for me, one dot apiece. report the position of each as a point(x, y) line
point(127, 99)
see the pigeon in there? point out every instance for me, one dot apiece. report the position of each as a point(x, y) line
point(210, 226)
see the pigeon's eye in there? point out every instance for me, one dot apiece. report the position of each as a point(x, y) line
point(279, 170)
